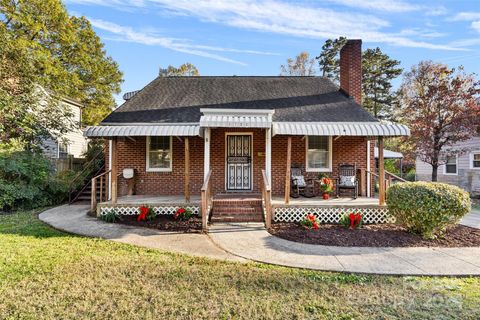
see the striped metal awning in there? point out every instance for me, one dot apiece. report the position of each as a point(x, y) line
point(142, 130)
point(370, 129)
point(234, 118)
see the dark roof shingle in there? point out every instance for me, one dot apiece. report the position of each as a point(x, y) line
point(179, 99)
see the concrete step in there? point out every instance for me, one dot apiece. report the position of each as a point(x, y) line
point(237, 218)
point(235, 212)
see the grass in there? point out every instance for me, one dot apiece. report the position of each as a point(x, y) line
point(47, 274)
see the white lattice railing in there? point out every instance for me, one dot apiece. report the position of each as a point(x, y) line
point(130, 210)
point(370, 214)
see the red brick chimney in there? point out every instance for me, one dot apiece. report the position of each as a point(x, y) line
point(351, 69)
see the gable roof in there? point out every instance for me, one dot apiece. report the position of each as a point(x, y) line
point(294, 99)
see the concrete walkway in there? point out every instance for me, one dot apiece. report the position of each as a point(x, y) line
point(472, 219)
point(250, 241)
point(74, 219)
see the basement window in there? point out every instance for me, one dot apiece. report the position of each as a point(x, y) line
point(159, 154)
point(319, 153)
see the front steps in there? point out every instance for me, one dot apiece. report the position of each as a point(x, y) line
point(234, 207)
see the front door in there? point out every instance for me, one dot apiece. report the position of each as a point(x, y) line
point(239, 162)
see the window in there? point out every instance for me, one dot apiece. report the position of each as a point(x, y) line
point(62, 150)
point(319, 153)
point(475, 160)
point(451, 165)
point(159, 153)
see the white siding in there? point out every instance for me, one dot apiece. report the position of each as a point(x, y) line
point(77, 143)
point(467, 178)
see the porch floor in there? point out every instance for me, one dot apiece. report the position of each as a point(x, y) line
point(319, 201)
point(155, 199)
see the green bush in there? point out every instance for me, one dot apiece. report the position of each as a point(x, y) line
point(427, 208)
point(111, 216)
point(27, 180)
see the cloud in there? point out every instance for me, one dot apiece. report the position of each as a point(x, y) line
point(296, 20)
point(380, 5)
point(293, 19)
point(124, 33)
point(476, 25)
point(466, 16)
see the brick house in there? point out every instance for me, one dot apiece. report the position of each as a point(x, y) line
point(242, 134)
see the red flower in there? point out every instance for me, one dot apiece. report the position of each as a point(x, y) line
point(143, 213)
point(315, 226)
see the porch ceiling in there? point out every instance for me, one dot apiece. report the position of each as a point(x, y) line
point(143, 130)
point(369, 129)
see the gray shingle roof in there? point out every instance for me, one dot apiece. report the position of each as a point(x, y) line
point(179, 99)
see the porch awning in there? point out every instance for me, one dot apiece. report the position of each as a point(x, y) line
point(370, 129)
point(235, 118)
point(142, 130)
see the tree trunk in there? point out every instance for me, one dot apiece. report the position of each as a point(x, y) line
point(434, 173)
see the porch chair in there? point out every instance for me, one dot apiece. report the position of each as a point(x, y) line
point(301, 186)
point(347, 179)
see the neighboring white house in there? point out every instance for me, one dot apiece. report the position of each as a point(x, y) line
point(72, 143)
point(462, 170)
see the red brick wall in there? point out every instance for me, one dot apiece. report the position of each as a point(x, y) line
point(132, 154)
point(351, 69)
point(344, 150)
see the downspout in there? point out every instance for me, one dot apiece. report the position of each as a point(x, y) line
point(110, 169)
point(368, 169)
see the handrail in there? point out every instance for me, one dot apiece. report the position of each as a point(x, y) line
point(267, 199)
point(206, 200)
point(395, 176)
point(87, 165)
point(93, 204)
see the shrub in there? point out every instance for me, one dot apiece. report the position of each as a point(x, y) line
point(310, 222)
point(111, 216)
point(352, 220)
point(182, 214)
point(28, 180)
point(427, 208)
point(146, 213)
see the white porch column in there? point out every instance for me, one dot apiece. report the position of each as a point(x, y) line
point(268, 154)
point(206, 157)
point(369, 176)
point(110, 168)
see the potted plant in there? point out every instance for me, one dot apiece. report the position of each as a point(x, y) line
point(326, 186)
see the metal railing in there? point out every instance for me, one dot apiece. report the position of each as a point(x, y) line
point(206, 200)
point(81, 181)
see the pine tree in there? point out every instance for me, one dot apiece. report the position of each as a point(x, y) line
point(378, 71)
point(328, 58)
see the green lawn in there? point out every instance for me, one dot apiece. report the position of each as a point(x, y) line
point(48, 274)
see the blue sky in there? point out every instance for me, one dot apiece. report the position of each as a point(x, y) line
point(246, 37)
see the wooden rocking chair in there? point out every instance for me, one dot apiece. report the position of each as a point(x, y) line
point(347, 179)
point(301, 186)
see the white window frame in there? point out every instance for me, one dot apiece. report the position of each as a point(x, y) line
point(471, 159)
point(456, 167)
point(58, 149)
point(148, 169)
point(330, 149)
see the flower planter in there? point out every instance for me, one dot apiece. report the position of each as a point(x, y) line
point(326, 196)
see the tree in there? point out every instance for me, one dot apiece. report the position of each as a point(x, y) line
point(69, 57)
point(378, 71)
point(28, 114)
point(440, 105)
point(301, 66)
point(185, 70)
point(328, 59)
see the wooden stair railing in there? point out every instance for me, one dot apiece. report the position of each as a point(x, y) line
point(267, 200)
point(103, 188)
point(206, 200)
point(389, 179)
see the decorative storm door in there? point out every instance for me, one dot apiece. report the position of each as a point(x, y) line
point(239, 162)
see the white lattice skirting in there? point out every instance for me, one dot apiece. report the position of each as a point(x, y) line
point(332, 214)
point(130, 210)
